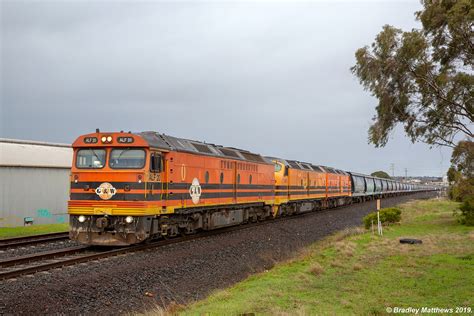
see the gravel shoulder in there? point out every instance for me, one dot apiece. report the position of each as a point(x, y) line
point(178, 273)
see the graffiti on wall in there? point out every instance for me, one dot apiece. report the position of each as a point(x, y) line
point(43, 213)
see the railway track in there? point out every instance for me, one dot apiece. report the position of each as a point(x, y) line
point(31, 240)
point(44, 261)
point(30, 264)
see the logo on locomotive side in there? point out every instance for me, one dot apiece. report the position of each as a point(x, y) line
point(105, 191)
point(195, 191)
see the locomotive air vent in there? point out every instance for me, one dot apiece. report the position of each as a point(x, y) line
point(229, 153)
point(202, 148)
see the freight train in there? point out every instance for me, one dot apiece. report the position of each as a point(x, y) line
point(127, 188)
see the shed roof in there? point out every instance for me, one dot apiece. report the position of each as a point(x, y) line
point(23, 153)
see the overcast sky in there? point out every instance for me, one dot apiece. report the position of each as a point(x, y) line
point(270, 77)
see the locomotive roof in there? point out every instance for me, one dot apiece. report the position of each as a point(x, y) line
point(166, 142)
point(308, 166)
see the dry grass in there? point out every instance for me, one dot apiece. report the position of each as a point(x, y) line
point(316, 269)
point(347, 232)
point(336, 263)
point(345, 247)
point(299, 311)
point(170, 309)
point(357, 267)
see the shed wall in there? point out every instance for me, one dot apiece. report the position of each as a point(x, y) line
point(40, 193)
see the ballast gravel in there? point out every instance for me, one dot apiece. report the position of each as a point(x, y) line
point(36, 248)
point(178, 273)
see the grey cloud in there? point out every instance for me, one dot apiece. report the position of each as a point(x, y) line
point(270, 77)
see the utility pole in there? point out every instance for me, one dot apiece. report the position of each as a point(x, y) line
point(406, 173)
point(392, 167)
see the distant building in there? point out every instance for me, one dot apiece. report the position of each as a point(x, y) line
point(34, 182)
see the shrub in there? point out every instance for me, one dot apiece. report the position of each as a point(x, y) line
point(387, 216)
point(467, 212)
point(461, 190)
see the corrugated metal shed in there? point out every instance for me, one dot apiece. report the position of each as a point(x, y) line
point(34, 182)
point(20, 153)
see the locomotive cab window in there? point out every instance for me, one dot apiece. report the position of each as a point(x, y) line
point(127, 158)
point(277, 167)
point(90, 158)
point(156, 164)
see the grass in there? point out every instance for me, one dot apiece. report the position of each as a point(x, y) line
point(10, 232)
point(355, 272)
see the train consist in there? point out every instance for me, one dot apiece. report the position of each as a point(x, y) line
point(130, 187)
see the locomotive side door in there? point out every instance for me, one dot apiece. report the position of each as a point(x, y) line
point(341, 185)
point(308, 183)
point(234, 181)
point(157, 173)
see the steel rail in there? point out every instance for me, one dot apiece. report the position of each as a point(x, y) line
point(31, 240)
point(41, 256)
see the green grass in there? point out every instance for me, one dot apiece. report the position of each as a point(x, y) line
point(355, 272)
point(10, 232)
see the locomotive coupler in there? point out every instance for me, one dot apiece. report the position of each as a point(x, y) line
point(102, 222)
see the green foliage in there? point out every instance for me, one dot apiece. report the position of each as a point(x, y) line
point(462, 189)
point(387, 216)
point(467, 211)
point(423, 79)
point(462, 158)
point(453, 174)
point(380, 174)
point(461, 177)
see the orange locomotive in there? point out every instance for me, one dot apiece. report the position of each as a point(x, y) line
point(303, 187)
point(130, 187)
point(126, 188)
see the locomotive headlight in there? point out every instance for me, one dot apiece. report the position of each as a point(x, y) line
point(109, 138)
point(81, 218)
point(103, 139)
point(129, 219)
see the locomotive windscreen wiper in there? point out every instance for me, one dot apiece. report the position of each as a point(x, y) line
point(96, 156)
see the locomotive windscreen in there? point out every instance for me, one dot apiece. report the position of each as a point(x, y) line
point(90, 158)
point(127, 158)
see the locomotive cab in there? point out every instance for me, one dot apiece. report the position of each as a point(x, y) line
point(112, 178)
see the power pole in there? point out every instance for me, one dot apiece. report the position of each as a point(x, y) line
point(406, 173)
point(392, 167)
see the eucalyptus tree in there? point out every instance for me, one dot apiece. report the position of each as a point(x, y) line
point(423, 78)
